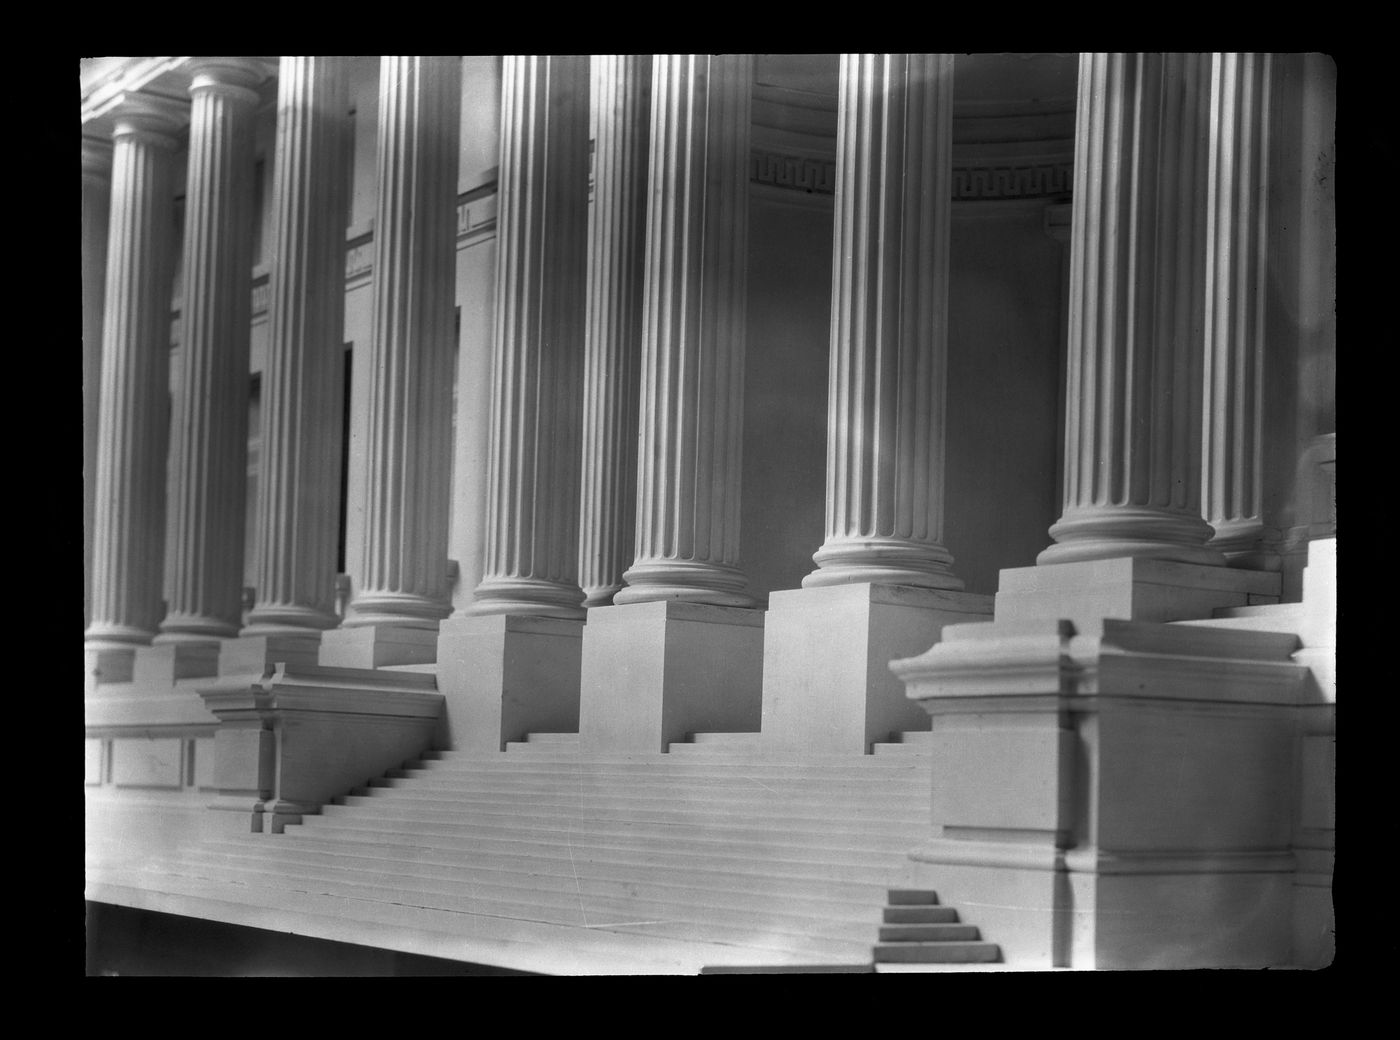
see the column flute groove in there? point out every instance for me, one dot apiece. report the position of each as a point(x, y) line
point(400, 577)
point(1238, 240)
point(886, 405)
point(211, 407)
point(691, 440)
point(129, 496)
point(532, 524)
point(302, 393)
point(621, 92)
point(1137, 313)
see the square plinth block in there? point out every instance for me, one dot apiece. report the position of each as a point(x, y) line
point(166, 663)
point(259, 653)
point(377, 646)
point(1129, 589)
point(827, 685)
point(504, 676)
point(655, 672)
point(103, 667)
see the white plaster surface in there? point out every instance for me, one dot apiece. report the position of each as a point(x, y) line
point(503, 676)
point(826, 679)
point(655, 672)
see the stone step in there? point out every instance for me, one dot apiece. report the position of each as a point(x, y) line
point(518, 747)
point(568, 861)
point(787, 969)
point(909, 798)
point(927, 932)
point(695, 769)
point(658, 825)
point(912, 897)
point(592, 906)
point(937, 952)
point(913, 736)
point(551, 738)
point(697, 841)
point(742, 739)
point(920, 915)
point(451, 933)
point(901, 749)
point(622, 807)
point(844, 904)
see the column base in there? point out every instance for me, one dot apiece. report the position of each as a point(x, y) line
point(826, 680)
point(287, 621)
point(690, 581)
point(1107, 532)
point(164, 664)
point(1130, 589)
point(504, 676)
point(655, 672)
point(526, 597)
point(248, 654)
point(395, 610)
point(377, 646)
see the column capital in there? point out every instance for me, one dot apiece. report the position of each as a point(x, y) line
point(233, 75)
point(158, 118)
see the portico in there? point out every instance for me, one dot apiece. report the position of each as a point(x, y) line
point(641, 397)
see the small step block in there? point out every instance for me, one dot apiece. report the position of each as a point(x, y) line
point(929, 932)
point(920, 915)
point(787, 969)
point(913, 897)
point(938, 953)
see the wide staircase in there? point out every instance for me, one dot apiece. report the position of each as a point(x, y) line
point(548, 859)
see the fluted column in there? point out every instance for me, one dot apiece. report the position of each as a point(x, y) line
point(531, 564)
point(1237, 236)
point(885, 440)
point(97, 188)
point(401, 574)
point(689, 454)
point(129, 509)
point(211, 405)
point(621, 95)
point(1136, 338)
point(297, 512)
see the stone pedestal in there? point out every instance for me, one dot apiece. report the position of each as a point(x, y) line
point(290, 741)
point(503, 676)
point(655, 672)
point(1122, 800)
point(249, 654)
point(375, 646)
point(1128, 588)
point(827, 686)
point(163, 665)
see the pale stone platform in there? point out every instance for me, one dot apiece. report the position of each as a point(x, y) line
point(826, 653)
point(503, 676)
point(655, 672)
point(378, 646)
point(1130, 589)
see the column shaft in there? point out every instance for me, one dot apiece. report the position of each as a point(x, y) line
point(690, 448)
point(885, 434)
point(299, 499)
point(1136, 336)
point(97, 189)
point(621, 94)
point(531, 564)
point(211, 406)
point(401, 574)
point(129, 509)
point(1237, 234)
